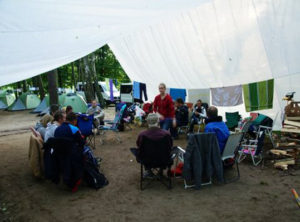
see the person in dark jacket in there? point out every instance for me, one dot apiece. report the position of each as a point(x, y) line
point(153, 133)
point(181, 116)
point(73, 160)
point(214, 124)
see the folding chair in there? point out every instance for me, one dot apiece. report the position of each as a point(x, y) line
point(155, 155)
point(230, 151)
point(114, 125)
point(85, 125)
point(253, 149)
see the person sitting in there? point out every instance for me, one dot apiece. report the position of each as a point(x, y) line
point(97, 112)
point(153, 133)
point(181, 116)
point(199, 112)
point(215, 125)
point(69, 109)
point(68, 129)
point(41, 126)
point(59, 118)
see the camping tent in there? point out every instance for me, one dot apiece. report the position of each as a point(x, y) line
point(76, 101)
point(25, 101)
point(45, 103)
point(7, 98)
point(192, 44)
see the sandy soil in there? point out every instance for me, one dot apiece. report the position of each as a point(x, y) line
point(260, 194)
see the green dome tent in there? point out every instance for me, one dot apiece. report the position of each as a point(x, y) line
point(45, 103)
point(76, 101)
point(25, 101)
point(7, 97)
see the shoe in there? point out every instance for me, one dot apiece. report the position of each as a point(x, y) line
point(148, 174)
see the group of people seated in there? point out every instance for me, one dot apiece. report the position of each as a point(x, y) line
point(62, 123)
point(168, 117)
point(173, 115)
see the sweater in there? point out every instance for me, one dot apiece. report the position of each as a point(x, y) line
point(164, 106)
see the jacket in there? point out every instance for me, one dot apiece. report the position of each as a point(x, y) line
point(35, 156)
point(202, 159)
point(182, 115)
point(218, 127)
point(164, 106)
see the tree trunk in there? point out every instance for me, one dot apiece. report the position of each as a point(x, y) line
point(88, 86)
point(52, 86)
point(24, 86)
point(41, 87)
point(73, 76)
point(60, 81)
point(97, 87)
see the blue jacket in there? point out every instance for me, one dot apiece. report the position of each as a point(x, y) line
point(218, 127)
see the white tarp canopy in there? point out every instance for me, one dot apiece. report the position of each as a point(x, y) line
point(185, 43)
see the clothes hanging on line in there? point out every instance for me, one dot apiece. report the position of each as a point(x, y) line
point(136, 90)
point(178, 93)
point(111, 90)
point(227, 96)
point(259, 95)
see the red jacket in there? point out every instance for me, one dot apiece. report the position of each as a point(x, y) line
point(164, 106)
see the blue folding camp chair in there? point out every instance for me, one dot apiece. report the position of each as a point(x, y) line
point(113, 125)
point(85, 125)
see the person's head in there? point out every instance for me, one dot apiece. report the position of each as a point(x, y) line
point(212, 112)
point(152, 120)
point(179, 102)
point(199, 103)
point(60, 117)
point(72, 118)
point(94, 103)
point(69, 109)
point(53, 109)
point(46, 119)
point(162, 88)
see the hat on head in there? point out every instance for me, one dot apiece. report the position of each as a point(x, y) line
point(152, 119)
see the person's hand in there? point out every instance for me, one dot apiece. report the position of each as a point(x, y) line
point(174, 123)
point(161, 117)
point(196, 113)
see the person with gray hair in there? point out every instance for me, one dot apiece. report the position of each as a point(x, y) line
point(153, 133)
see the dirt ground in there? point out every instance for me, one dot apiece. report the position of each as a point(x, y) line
point(259, 195)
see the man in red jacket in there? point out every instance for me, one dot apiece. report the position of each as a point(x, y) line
point(164, 106)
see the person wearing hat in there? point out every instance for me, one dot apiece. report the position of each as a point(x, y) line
point(153, 133)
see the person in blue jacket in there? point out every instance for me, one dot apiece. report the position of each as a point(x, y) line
point(215, 124)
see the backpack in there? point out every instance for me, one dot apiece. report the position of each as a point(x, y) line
point(93, 177)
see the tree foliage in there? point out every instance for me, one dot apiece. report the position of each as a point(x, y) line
point(105, 63)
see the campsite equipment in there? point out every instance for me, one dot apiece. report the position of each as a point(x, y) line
point(85, 125)
point(25, 101)
point(232, 119)
point(7, 97)
point(76, 101)
point(292, 109)
point(296, 196)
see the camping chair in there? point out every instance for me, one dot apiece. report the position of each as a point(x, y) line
point(114, 125)
point(253, 148)
point(85, 125)
point(155, 156)
point(232, 120)
point(230, 151)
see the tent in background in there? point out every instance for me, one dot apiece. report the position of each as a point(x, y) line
point(7, 97)
point(76, 101)
point(25, 101)
point(45, 103)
